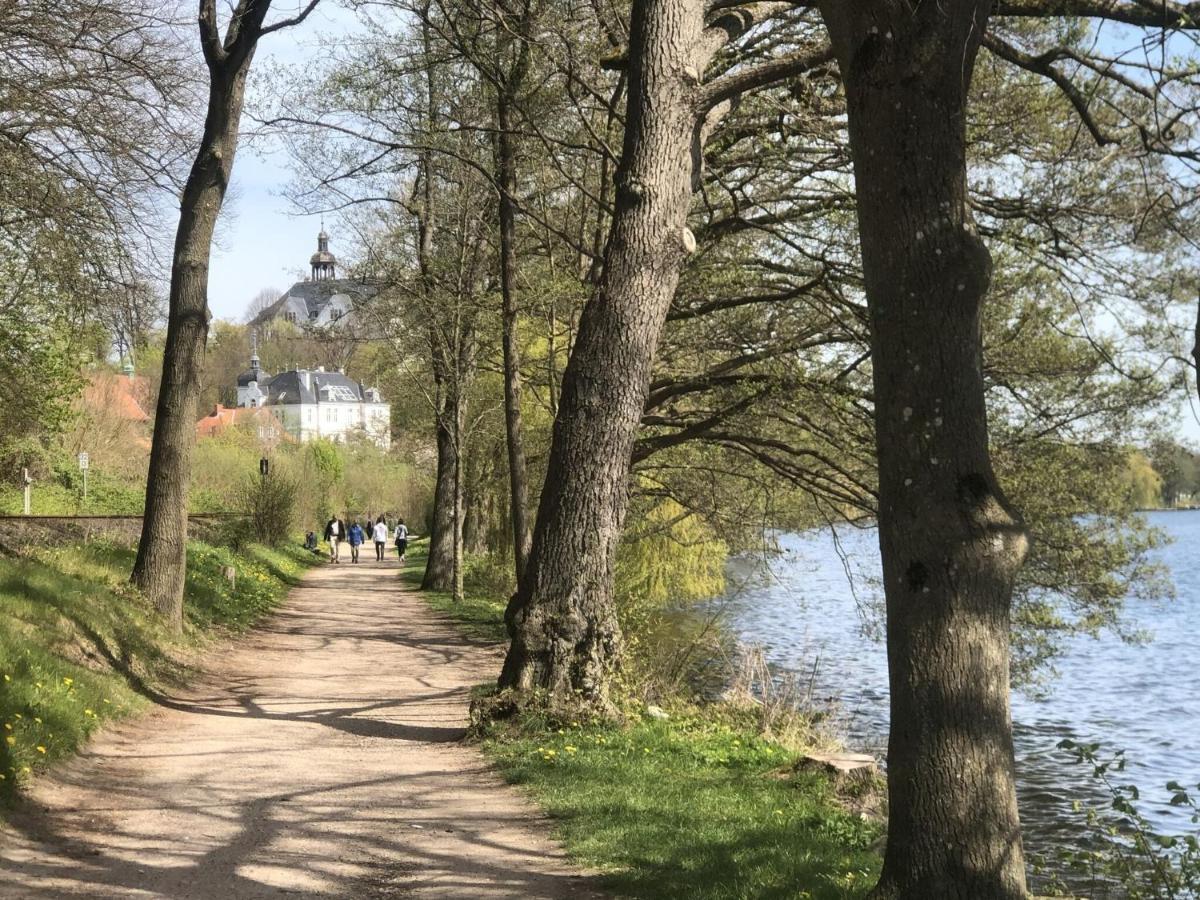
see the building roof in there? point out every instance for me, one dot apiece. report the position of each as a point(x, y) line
point(250, 375)
point(316, 296)
point(123, 394)
point(225, 417)
point(322, 387)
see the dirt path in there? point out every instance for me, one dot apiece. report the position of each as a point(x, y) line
point(321, 757)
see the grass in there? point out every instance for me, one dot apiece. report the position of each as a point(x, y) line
point(80, 646)
point(479, 614)
point(695, 806)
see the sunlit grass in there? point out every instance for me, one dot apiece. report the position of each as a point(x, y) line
point(80, 646)
point(695, 806)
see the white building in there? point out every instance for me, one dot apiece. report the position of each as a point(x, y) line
point(318, 404)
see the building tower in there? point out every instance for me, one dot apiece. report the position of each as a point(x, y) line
point(324, 263)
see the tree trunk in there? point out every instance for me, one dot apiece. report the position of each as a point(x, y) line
point(562, 621)
point(950, 543)
point(506, 164)
point(458, 511)
point(439, 569)
point(160, 568)
point(1196, 349)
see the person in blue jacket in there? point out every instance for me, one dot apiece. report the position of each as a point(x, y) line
point(356, 537)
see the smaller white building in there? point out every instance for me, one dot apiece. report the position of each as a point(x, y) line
point(313, 403)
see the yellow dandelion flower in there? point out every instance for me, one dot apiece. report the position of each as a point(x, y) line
point(68, 681)
point(10, 740)
point(40, 749)
point(36, 719)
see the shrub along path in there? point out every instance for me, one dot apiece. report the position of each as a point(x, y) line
point(320, 756)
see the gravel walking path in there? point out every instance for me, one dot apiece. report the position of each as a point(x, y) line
point(318, 757)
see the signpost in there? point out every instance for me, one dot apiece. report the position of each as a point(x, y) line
point(83, 467)
point(264, 466)
point(28, 482)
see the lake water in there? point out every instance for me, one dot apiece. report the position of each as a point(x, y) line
point(1145, 699)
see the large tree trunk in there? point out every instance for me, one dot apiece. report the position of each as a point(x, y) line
point(439, 569)
point(506, 165)
point(562, 622)
point(951, 545)
point(160, 567)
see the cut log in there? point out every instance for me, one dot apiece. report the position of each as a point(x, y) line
point(841, 767)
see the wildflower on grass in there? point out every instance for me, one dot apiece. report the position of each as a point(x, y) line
point(36, 719)
point(8, 726)
point(570, 749)
point(10, 740)
point(40, 749)
point(68, 681)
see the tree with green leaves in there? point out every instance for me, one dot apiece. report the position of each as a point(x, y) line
point(162, 551)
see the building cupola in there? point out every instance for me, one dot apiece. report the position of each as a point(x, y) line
point(324, 263)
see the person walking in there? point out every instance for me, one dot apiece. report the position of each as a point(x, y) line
point(401, 539)
point(335, 531)
point(380, 533)
point(356, 536)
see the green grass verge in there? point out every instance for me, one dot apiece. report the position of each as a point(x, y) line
point(80, 646)
point(478, 614)
point(696, 806)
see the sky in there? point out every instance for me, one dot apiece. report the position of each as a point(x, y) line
point(261, 241)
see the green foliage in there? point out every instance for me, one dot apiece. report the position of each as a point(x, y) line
point(1090, 552)
point(1141, 483)
point(1179, 468)
point(480, 613)
point(39, 370)
point(1125, 857)
point(80, 646)
point(271, 507)
point(669, 555)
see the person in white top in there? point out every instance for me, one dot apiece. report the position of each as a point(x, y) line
point(380, 535)
point(401, 539)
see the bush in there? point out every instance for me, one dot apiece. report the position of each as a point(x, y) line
point(271, 507)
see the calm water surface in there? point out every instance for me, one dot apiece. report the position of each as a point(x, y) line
point(1144, 699)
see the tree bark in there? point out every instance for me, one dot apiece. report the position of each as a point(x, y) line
point(506, 165)
point(562, 622)
point(950, 542)
point(439, 568)
point(160, 568)
point(1196, 348)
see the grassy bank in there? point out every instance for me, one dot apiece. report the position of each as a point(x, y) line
point(698, 805)
point(79, 646)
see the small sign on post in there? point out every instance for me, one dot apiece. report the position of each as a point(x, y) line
point(27, 480)
point(264, 466)
point(83, 467)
